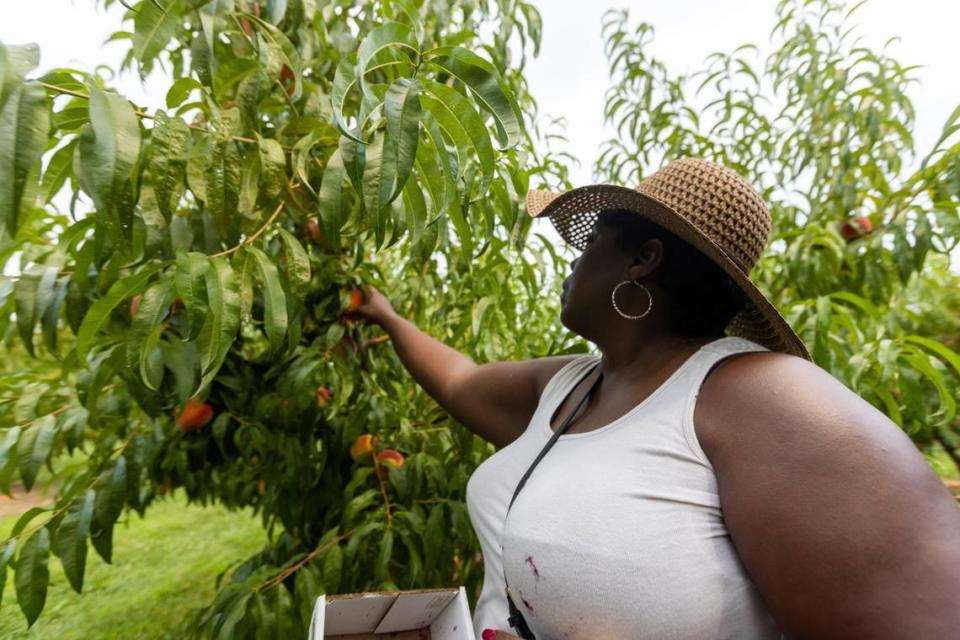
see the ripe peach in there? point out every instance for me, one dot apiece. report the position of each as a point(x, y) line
point(386, 460)
point(362, 449)
point(356, 299)
point(288, 80)
point(195, 415)
point(313, 230)
point(855, 227)
point(323, 396)
point(134, 305)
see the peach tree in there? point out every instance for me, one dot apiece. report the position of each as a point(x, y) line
point(863, 224)
point(184, 277)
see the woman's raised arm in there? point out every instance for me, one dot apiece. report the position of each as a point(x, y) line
point(494, 400)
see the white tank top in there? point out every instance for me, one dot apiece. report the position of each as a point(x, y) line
point(618, 532)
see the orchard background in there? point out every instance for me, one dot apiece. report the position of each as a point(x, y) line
point(182, 278)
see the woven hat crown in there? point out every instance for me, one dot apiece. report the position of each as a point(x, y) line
point(718, 202)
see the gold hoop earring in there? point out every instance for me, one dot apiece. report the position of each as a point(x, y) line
point(613, 297)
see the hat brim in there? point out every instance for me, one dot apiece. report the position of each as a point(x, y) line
point(573, 214)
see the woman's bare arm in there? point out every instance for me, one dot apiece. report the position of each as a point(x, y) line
point(840, 522)
point(494, 400)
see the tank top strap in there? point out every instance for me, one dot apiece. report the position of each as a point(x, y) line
point(566, 378)
point(696, 372)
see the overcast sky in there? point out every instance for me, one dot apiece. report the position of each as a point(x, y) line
point(570, 76)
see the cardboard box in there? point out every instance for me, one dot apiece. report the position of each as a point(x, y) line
point(422, 614)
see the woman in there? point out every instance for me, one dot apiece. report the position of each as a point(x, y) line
point(712, 482)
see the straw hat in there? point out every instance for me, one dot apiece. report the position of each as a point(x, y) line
point(705, 204)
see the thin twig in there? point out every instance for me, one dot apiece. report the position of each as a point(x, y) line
point(251, 238)
point(383, 490)
point(296, 567)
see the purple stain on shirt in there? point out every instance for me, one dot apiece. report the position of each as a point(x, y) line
point(526, 602)
point(536, 573)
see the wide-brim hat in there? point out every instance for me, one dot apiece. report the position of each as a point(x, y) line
point(709, 206)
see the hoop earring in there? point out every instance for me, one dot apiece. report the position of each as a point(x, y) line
point(613, 297)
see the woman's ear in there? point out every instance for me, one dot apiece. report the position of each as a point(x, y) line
point(647, 259)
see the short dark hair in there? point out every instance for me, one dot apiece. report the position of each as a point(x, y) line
point(703, 298)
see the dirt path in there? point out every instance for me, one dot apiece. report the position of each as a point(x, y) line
point(22, 500)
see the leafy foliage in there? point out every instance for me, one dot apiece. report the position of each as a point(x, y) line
point(823, 128)
point(186, 270)
point(203, 256)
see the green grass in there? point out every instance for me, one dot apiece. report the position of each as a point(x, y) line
point(163, 565)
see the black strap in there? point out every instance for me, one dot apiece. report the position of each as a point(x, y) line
point(516, 619)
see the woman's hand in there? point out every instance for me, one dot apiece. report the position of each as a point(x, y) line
point(375, 308)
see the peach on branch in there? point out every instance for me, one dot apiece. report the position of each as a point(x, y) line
point(314, 231)
point(195, 415)
point(855, 227)
point(323, 396)
point(386, 460)
point(134, 305)
point(356, 299)
point(362, 450)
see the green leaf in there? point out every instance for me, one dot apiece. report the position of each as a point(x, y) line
point(948, 355)
point(274, 301)
point(463, 125)
point(484, 81)
point(105, 161)
point(10, 438)
point(343, 80)
point(273, 167)
point(191, 287)
point(378, 179)
point(387, 35)
point(71, 540)
point(5, 557)
point(100, 310)
point(180, 90)
point(223, 320)
point(24, 126)
point(298, 265)
point(15, 62)
point(333, 569)
point(111, 492)
point(223, 186)
point(58, 170)
point(821, 345)
point(383, 557)
point(102, 539)
point(50, 312)
point(402, 108)
point(330, 199)
point(34, 448)
point(33, 574)
point(416, 209)
point(167, 161)
point(154, 24)
point(143, 353)
point(25, 296)
point(210, 14)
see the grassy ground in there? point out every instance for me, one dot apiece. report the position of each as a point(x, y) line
point(163, 565)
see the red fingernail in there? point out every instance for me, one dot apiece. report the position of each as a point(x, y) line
point(488, 634)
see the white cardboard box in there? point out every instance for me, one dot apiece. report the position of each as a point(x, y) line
point(422, 614)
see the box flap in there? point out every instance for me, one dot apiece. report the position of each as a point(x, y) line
point(454, 622)
point(415, 610)
point(355, 613)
